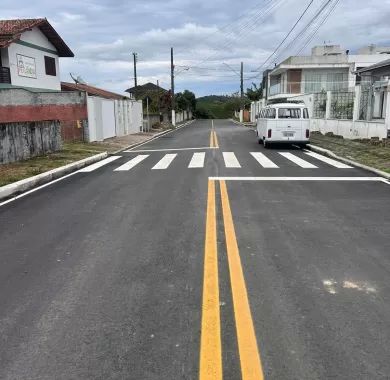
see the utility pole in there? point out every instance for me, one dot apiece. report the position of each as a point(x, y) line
point(242, 93)
point(135, 69)
point(173, 89)
point(158, 99)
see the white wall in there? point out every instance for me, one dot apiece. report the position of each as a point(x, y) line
point(109, 118)
point(42, 80)
point(350, 129)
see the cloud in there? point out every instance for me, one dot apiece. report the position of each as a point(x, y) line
point(205, 34)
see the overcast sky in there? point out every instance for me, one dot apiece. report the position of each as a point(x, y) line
point(208, 36)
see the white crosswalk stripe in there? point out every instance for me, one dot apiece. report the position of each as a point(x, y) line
point(197, 160)
point(99, 164)
point(231, 160)
point(298, 161)
point(164, 162)
point(264, 161)
point(133, 162)
point(329, 161)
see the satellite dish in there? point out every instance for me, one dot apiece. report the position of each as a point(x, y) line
point(77, 79)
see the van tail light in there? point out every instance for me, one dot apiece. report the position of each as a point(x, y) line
point(269, 133)
point(307, 133)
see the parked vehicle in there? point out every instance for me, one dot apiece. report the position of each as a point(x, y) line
point(283, 123)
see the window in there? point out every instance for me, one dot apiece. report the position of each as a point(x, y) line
point(272, 113)
point(313, 82)
point(289, 113)
point(50, 66)
point(337, 81)
point(305, 113)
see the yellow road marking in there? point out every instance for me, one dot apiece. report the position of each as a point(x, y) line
point(211, 139)
point(210, 346)
point(251, 368)
point(215, 140)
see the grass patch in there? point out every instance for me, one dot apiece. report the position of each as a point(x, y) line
point(71, 152)
point(372, 153)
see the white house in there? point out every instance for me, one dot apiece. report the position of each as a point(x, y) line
point(329, 68)
point(29, 54)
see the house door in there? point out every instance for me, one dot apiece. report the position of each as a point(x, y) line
point(294, 79)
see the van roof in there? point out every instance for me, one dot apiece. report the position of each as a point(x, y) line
point(287, 105)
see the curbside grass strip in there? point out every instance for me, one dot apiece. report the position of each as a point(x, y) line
point(19, 187)
point(330, 154)
point(16, 188)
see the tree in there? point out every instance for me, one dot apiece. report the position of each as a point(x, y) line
point(254, 93)
point(185, 101)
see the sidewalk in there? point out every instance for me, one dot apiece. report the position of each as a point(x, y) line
point(373, 153)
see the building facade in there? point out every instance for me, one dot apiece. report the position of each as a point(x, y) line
point(29, 54)
point(329, 68)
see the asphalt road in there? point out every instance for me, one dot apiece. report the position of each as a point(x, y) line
point(274, 268)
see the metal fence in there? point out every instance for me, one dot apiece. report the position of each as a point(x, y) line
point(341, 106)
point(319, 105)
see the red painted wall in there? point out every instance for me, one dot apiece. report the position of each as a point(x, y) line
point(68, 112)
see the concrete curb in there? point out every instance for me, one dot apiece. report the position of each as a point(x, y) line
point(156, 136)
point(19, 187)
point(330, 154)
point(16, 188)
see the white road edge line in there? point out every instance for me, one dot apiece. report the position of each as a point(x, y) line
point(99, 164)
point(231, 160)
point(164, 162)
point(298, 161)
point(37, 188)
point(130, 164)
point(329, 161)
point(165, 150)
point(197, 160)
point(324, 179)
point(264, 161)
point(14, 198)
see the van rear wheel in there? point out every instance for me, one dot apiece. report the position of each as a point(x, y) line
point(266, 144)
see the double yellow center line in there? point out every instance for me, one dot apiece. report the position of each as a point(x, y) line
point(213, 137)
point(211, 350)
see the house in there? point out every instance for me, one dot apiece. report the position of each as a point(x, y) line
point(148, 89)
point(375, 85)
point(91, 90)
point(328, 68)
point(29, 54)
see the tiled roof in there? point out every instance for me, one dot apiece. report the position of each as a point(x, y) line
point(94, 91)
point(145, 88)
point(11, 31)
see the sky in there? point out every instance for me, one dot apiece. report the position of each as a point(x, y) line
point(210, 37)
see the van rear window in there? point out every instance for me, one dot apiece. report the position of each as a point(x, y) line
point(305, 113)
point(289, 113)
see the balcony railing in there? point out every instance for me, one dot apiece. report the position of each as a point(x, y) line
point(287, 88)
point(5, 75)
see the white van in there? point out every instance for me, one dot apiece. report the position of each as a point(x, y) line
point(283, 123)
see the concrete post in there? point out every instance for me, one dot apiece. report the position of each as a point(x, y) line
point(174, 118)
point(328, 104)
point(356, 103)
point(387, 110)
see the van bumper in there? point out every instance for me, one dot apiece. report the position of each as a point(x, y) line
point(298, 142)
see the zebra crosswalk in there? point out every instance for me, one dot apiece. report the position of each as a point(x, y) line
point(230, 160)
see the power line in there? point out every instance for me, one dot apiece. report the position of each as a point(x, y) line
point(243, 29)
point(287, 35)
point(331, 10)
point(320, 10)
